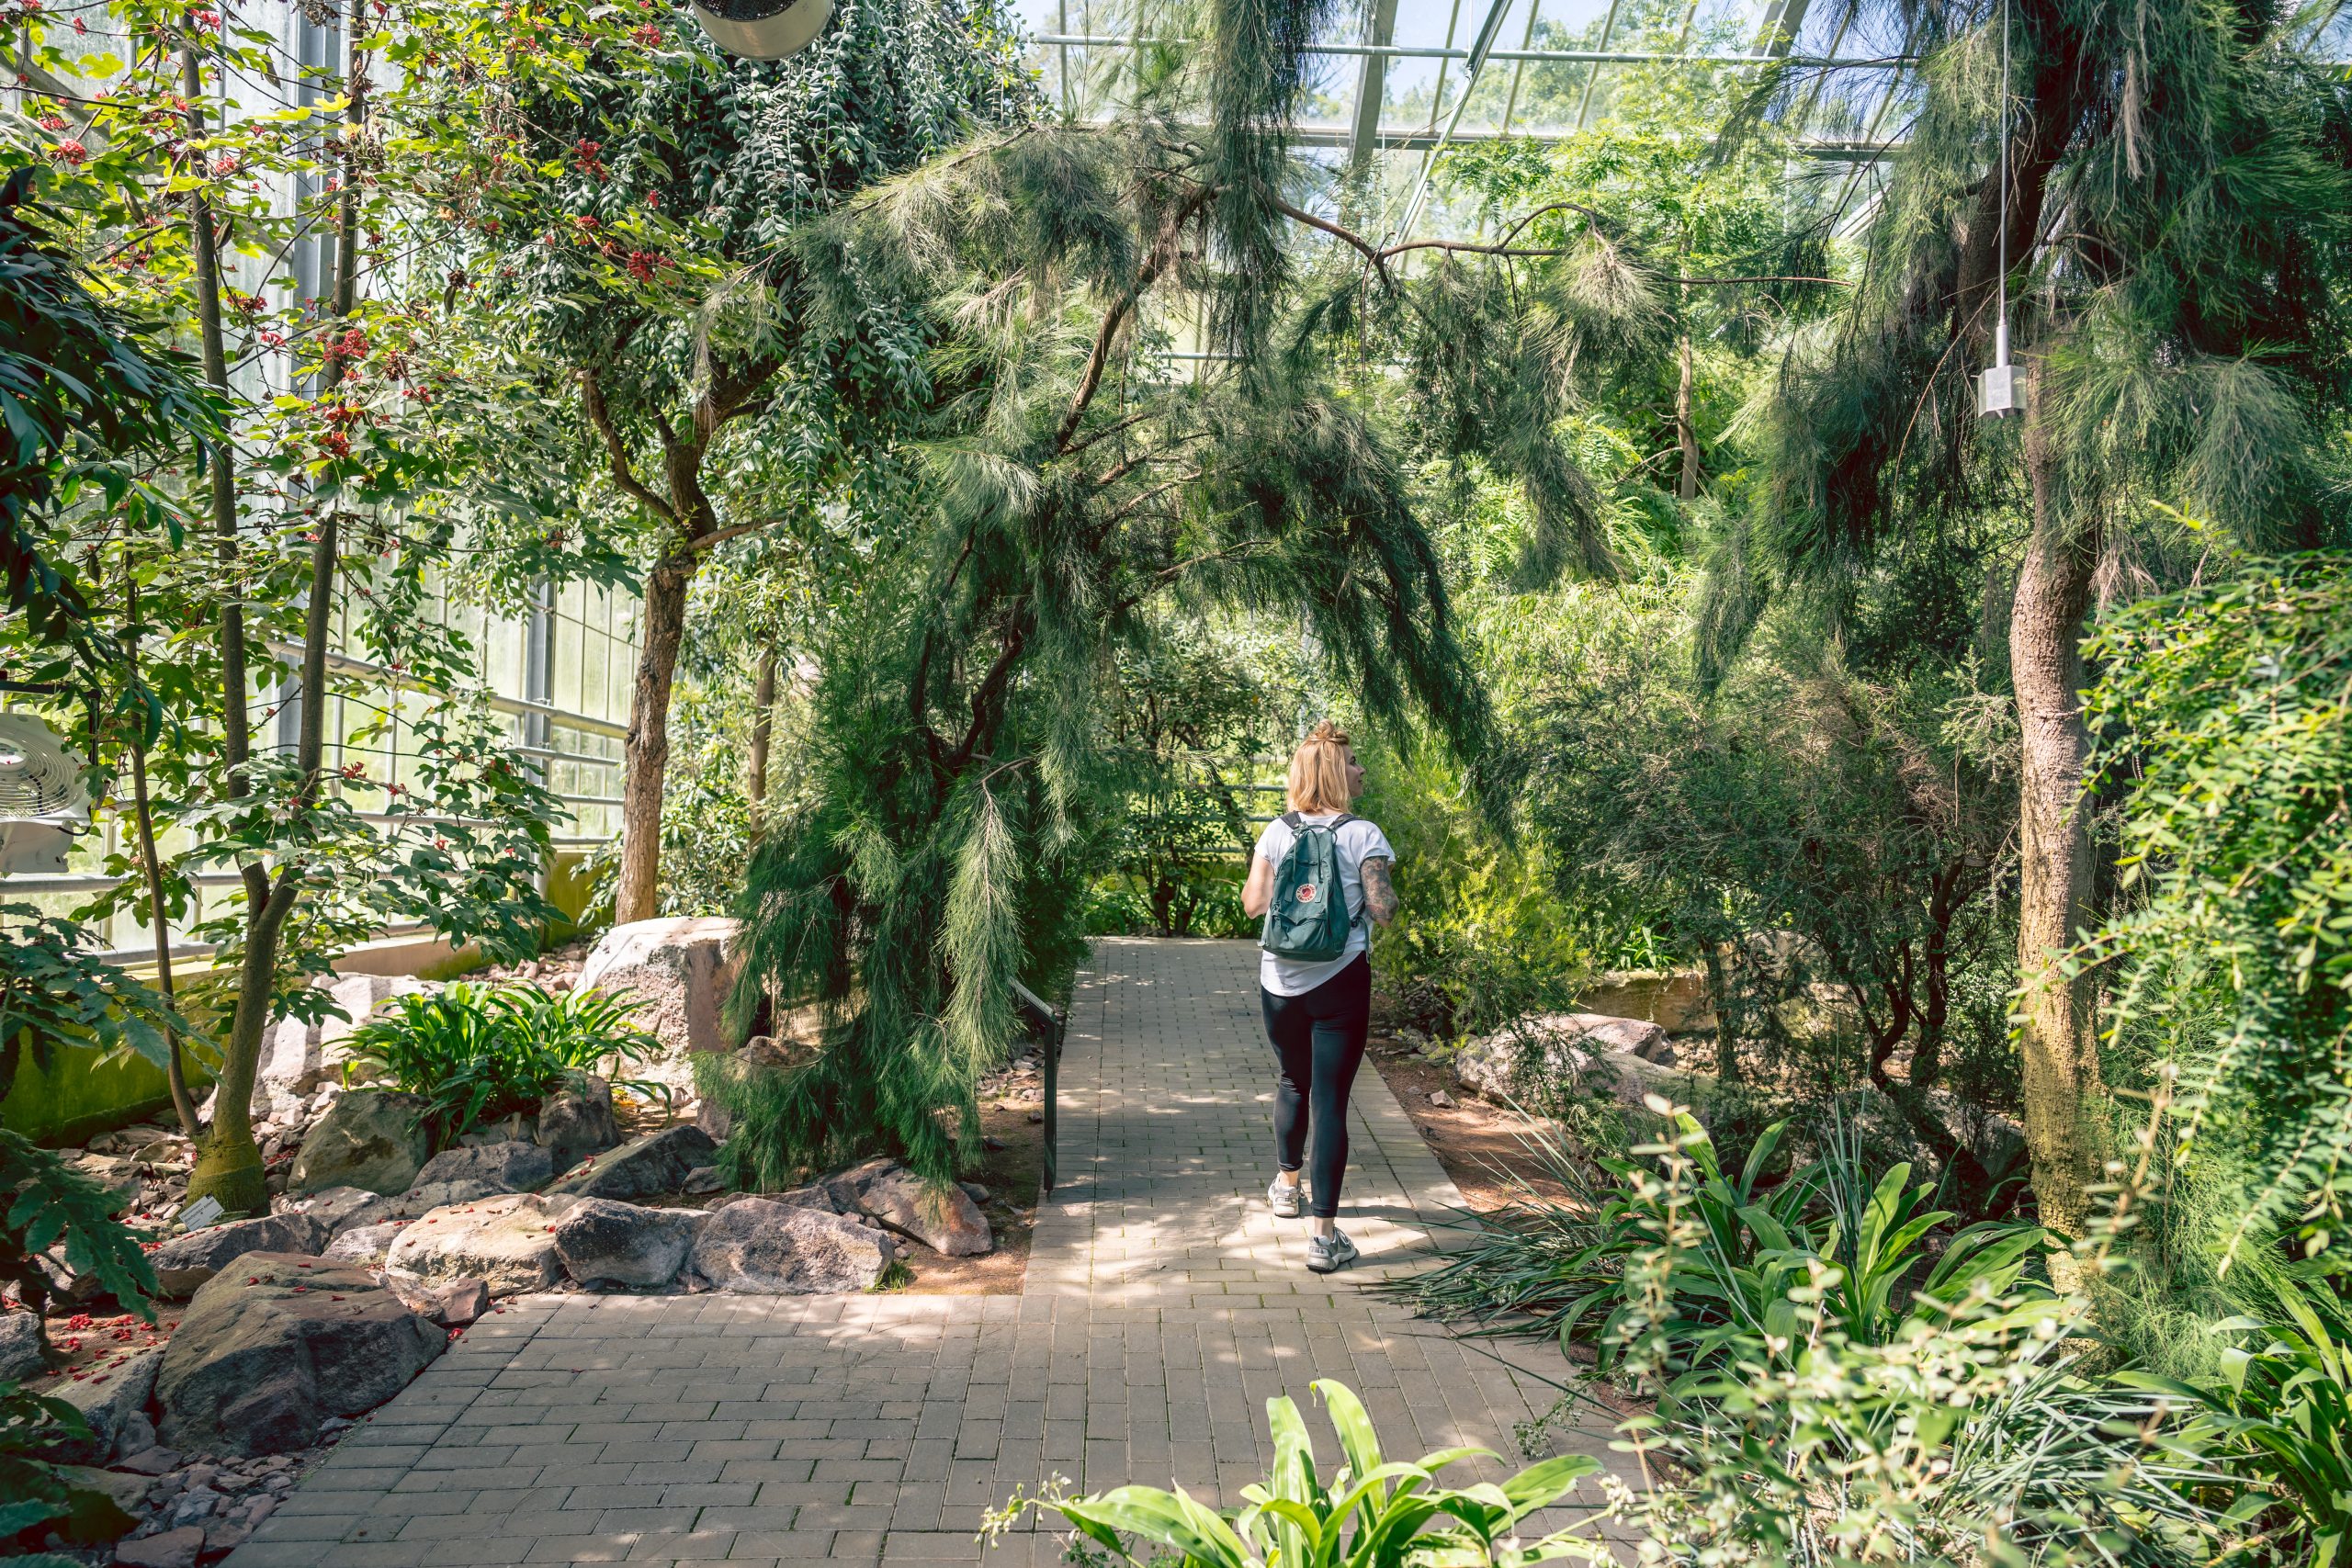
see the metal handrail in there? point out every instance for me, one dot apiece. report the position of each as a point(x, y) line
point(1051, 1024)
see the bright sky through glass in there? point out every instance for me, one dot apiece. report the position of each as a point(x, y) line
point(1547, 69)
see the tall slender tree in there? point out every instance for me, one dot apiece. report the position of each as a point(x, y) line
point(1053, 480)
point(2160, 193)
point(622, 227)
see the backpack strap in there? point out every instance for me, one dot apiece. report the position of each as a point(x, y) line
point(1292, 820)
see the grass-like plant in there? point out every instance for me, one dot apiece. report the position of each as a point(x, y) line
point(585, 1031)
point(1373, 1511)
point(2284, 1412)
point(474, 1054)
point(1758, 1252)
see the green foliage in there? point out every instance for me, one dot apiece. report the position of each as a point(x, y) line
point(1373, 1510)
point(82, 386)
point(2181, 320)
point(1832, 1388)
point(1480, 936)
point(1191, 717)
point(478, 1055)
point(55, 991)
point(2228, 738)
point(1971, 1436)
point(46, 1202)
point(1810, 831)
point(36, 1495)
point(1746, 1252)
point(1052, 510)
point(2283, 1416)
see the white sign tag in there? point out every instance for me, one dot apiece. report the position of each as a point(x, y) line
point(201, 1213)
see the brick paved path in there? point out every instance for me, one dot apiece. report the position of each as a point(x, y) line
point(1164, 1305)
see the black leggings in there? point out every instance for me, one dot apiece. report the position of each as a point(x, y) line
point(1318, 1044)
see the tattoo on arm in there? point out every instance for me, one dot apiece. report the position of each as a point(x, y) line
point(1379, 892)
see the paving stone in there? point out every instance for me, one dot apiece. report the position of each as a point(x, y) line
point(1163, 1305)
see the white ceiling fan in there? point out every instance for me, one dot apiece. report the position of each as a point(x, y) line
point(44, 804)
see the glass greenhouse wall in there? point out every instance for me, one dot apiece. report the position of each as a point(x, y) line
point(558, 673)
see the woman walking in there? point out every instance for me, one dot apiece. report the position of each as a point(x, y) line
point(1318, 876)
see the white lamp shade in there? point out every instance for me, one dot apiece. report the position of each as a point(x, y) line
point(763, 29)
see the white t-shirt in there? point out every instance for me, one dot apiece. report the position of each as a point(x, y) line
point(1357, 843)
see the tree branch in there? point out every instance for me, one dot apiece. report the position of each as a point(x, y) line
point(592, 403)
point(989, 693)
point(1163, 251)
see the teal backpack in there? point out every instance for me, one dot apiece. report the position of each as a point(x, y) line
point(1308, 919)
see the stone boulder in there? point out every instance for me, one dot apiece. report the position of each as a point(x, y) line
point(21, 1345)
point(681, 967)
point(1537, 1061)
point(364, 1245)
point(513, 1166)
point(624, 1245)
point(1676, 1000)
point(370, 1138)
point(108, 1393)
point(297, 1058)
point(508, 1242)
point(577, 1121)
point(945, 1220)
point(165, 1549)
point(658, 1162)
point(414, 1204)
point(453, 1303)
point(185, 1262)
point(256, 1368)
point(334, 1206)
point(757, 1246)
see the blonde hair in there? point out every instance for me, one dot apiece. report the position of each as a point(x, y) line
point(1319, 771)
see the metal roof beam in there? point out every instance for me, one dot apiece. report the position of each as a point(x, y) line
point(1372, 82)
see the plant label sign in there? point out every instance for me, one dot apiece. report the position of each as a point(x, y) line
point(201, 1213)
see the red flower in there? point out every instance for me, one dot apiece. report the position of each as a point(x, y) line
point(648, 35)
point(335, 444)
point(71, 152)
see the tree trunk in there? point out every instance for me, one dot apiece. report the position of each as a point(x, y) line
point(2063, 1095)
point(228, 1164)
point(646, 753)
point(755, 777)
point(1686, 435)
point(1721, 979)
point(151, 865)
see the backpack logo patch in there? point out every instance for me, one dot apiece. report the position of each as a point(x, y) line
point(1307, 893)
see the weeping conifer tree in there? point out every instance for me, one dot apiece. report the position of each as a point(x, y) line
point(2175, 205)
point(1057, 495)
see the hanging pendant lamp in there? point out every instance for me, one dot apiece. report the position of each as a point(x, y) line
point(762, 29)
point(1997, 389)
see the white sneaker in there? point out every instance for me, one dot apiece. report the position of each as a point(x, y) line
point(1283, 1198)
point(1326, 1253)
